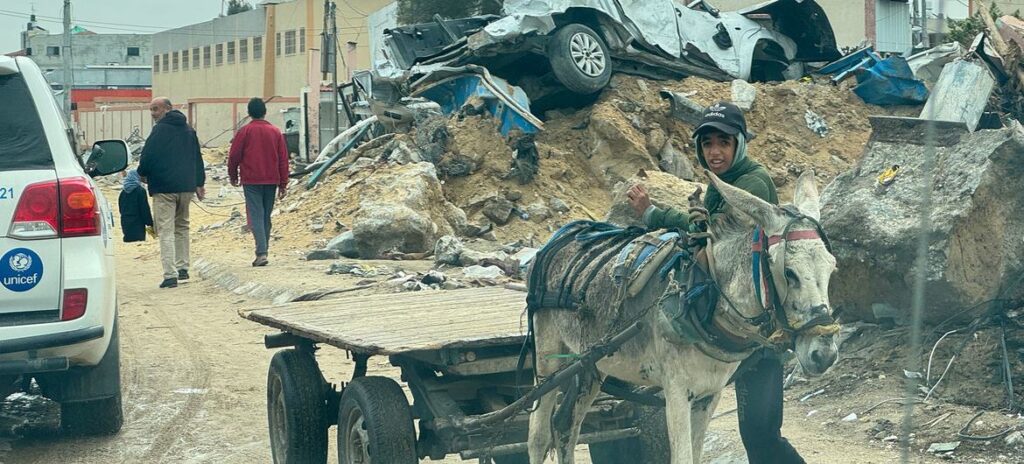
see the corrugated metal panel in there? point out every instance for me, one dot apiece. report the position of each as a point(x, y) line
point(892, 26)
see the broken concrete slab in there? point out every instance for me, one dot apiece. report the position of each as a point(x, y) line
point(673, 161)
point(447, 250)
point(975, 242)
point(405, 210)
point(498, 209)
point(961, 94)
point(665, 190)
point(345, 245)
point(743, 94)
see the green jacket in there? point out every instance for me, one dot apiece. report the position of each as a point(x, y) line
point(744, 173)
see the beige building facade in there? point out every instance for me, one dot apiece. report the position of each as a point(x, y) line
point(211, 69)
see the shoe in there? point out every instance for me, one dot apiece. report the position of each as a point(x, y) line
point(261, 260)
point(183, 274)
point(169, 283)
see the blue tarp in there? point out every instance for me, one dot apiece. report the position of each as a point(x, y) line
point(452, 93)
point(890, 82)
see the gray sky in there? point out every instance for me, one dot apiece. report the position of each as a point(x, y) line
point(110, 16)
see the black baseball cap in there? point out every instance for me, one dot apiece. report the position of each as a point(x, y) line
point(725, 117)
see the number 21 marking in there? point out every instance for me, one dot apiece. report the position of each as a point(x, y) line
point(6, 193)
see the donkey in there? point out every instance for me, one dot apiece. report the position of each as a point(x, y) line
point(692, 381)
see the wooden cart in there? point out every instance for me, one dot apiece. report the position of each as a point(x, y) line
point(458, 352)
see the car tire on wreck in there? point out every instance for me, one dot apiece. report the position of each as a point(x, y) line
point(580, 59)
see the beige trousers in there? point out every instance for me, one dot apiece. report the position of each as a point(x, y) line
point(170, 216)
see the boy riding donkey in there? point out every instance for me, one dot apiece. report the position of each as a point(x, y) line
point(721, 143)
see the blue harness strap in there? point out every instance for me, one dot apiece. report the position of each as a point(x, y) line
point(756, 267)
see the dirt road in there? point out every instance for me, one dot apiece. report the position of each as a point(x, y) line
point(194, 381)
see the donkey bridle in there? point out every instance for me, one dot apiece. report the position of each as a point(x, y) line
point(760, 246)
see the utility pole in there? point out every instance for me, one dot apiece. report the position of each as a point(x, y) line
point(925, 40)
point(66, 57)
point(334, 68)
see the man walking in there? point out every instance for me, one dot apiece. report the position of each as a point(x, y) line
point(260, 158)
point(172, 165)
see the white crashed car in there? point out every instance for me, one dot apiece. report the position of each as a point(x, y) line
point(582, 42)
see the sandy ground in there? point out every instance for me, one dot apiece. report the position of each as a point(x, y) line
point(194, 377)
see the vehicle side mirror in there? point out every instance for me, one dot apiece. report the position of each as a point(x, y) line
point(107, 157)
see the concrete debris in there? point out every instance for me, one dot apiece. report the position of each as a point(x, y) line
point(448, 250)
point(483, 272)
point(1014, 439)
point(675, 162)
point(407, 212)
point(319, 255)
point(538, 212)
point(961, 94)
point(498, 209)
point(816, 123)
point(743, 94)
point(943, 447)
point(559, 206)
point(974, 194)
point(665, 190)
point(470, 257)
point(852, 417)
point(345, 245)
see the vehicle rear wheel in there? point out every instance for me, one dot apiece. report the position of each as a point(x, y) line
point(375, 424)
point(102, 416)
point(580, 59)
point(650, 447)
point(296, 408)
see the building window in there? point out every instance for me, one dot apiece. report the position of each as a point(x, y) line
point(243, 50)
point(289, 42)
point(28, 51)
point(257, 48)
point(184, 60)
point(174, 62)
point(206, 56)
point(220, 54)
point(195, 58)
point(277, 45)
point(55, 51)
point(231, 52)
point(134, 51)
point(302, 40)
point(156, 63)
point(167, 62)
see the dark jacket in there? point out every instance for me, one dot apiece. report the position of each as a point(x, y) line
point(259, 152)
point(171, 161)
point(744, 173)
point(134, 208)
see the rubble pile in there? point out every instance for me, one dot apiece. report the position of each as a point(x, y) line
point(455, 175)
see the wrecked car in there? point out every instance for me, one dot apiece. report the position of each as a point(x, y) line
point(580, 43)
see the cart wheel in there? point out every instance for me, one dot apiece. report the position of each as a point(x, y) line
point(650, 447)
point(296, 409)
point(375, 424)
point(521, 458)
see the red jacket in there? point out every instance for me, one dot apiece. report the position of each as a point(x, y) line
point(260, 153)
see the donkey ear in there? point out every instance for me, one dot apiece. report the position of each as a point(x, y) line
point(806, 196)
point(762, 212)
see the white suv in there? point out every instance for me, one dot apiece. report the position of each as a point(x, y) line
point(58, 302)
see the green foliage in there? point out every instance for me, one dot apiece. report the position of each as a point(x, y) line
point(965, 30)
point(238, 6)
point(422, 11)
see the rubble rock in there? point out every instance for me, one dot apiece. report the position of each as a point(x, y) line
point(470, 257)
point(404, 210)
point(558, 206)
point(483, 272)
point(345, 245)
point(402, 154)
point(675, 162)
point(317, 255)
point(498, 209)
point(743, 94)
point(977, 227)
point(656, 139)
point(666, 190)
point(618, 150)
point(1014, 439)
point(448, 250)
point(538, 212)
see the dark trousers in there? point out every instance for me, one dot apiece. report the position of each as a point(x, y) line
point(759, 407)
point(259, 203)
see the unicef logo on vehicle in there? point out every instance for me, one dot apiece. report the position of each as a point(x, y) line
point(20, 270)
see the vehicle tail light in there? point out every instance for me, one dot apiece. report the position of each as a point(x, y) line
point(64, 208)
point(79, 215)
point(38, 213)
point(75, 301)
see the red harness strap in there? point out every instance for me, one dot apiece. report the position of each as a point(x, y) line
point(808, 234)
